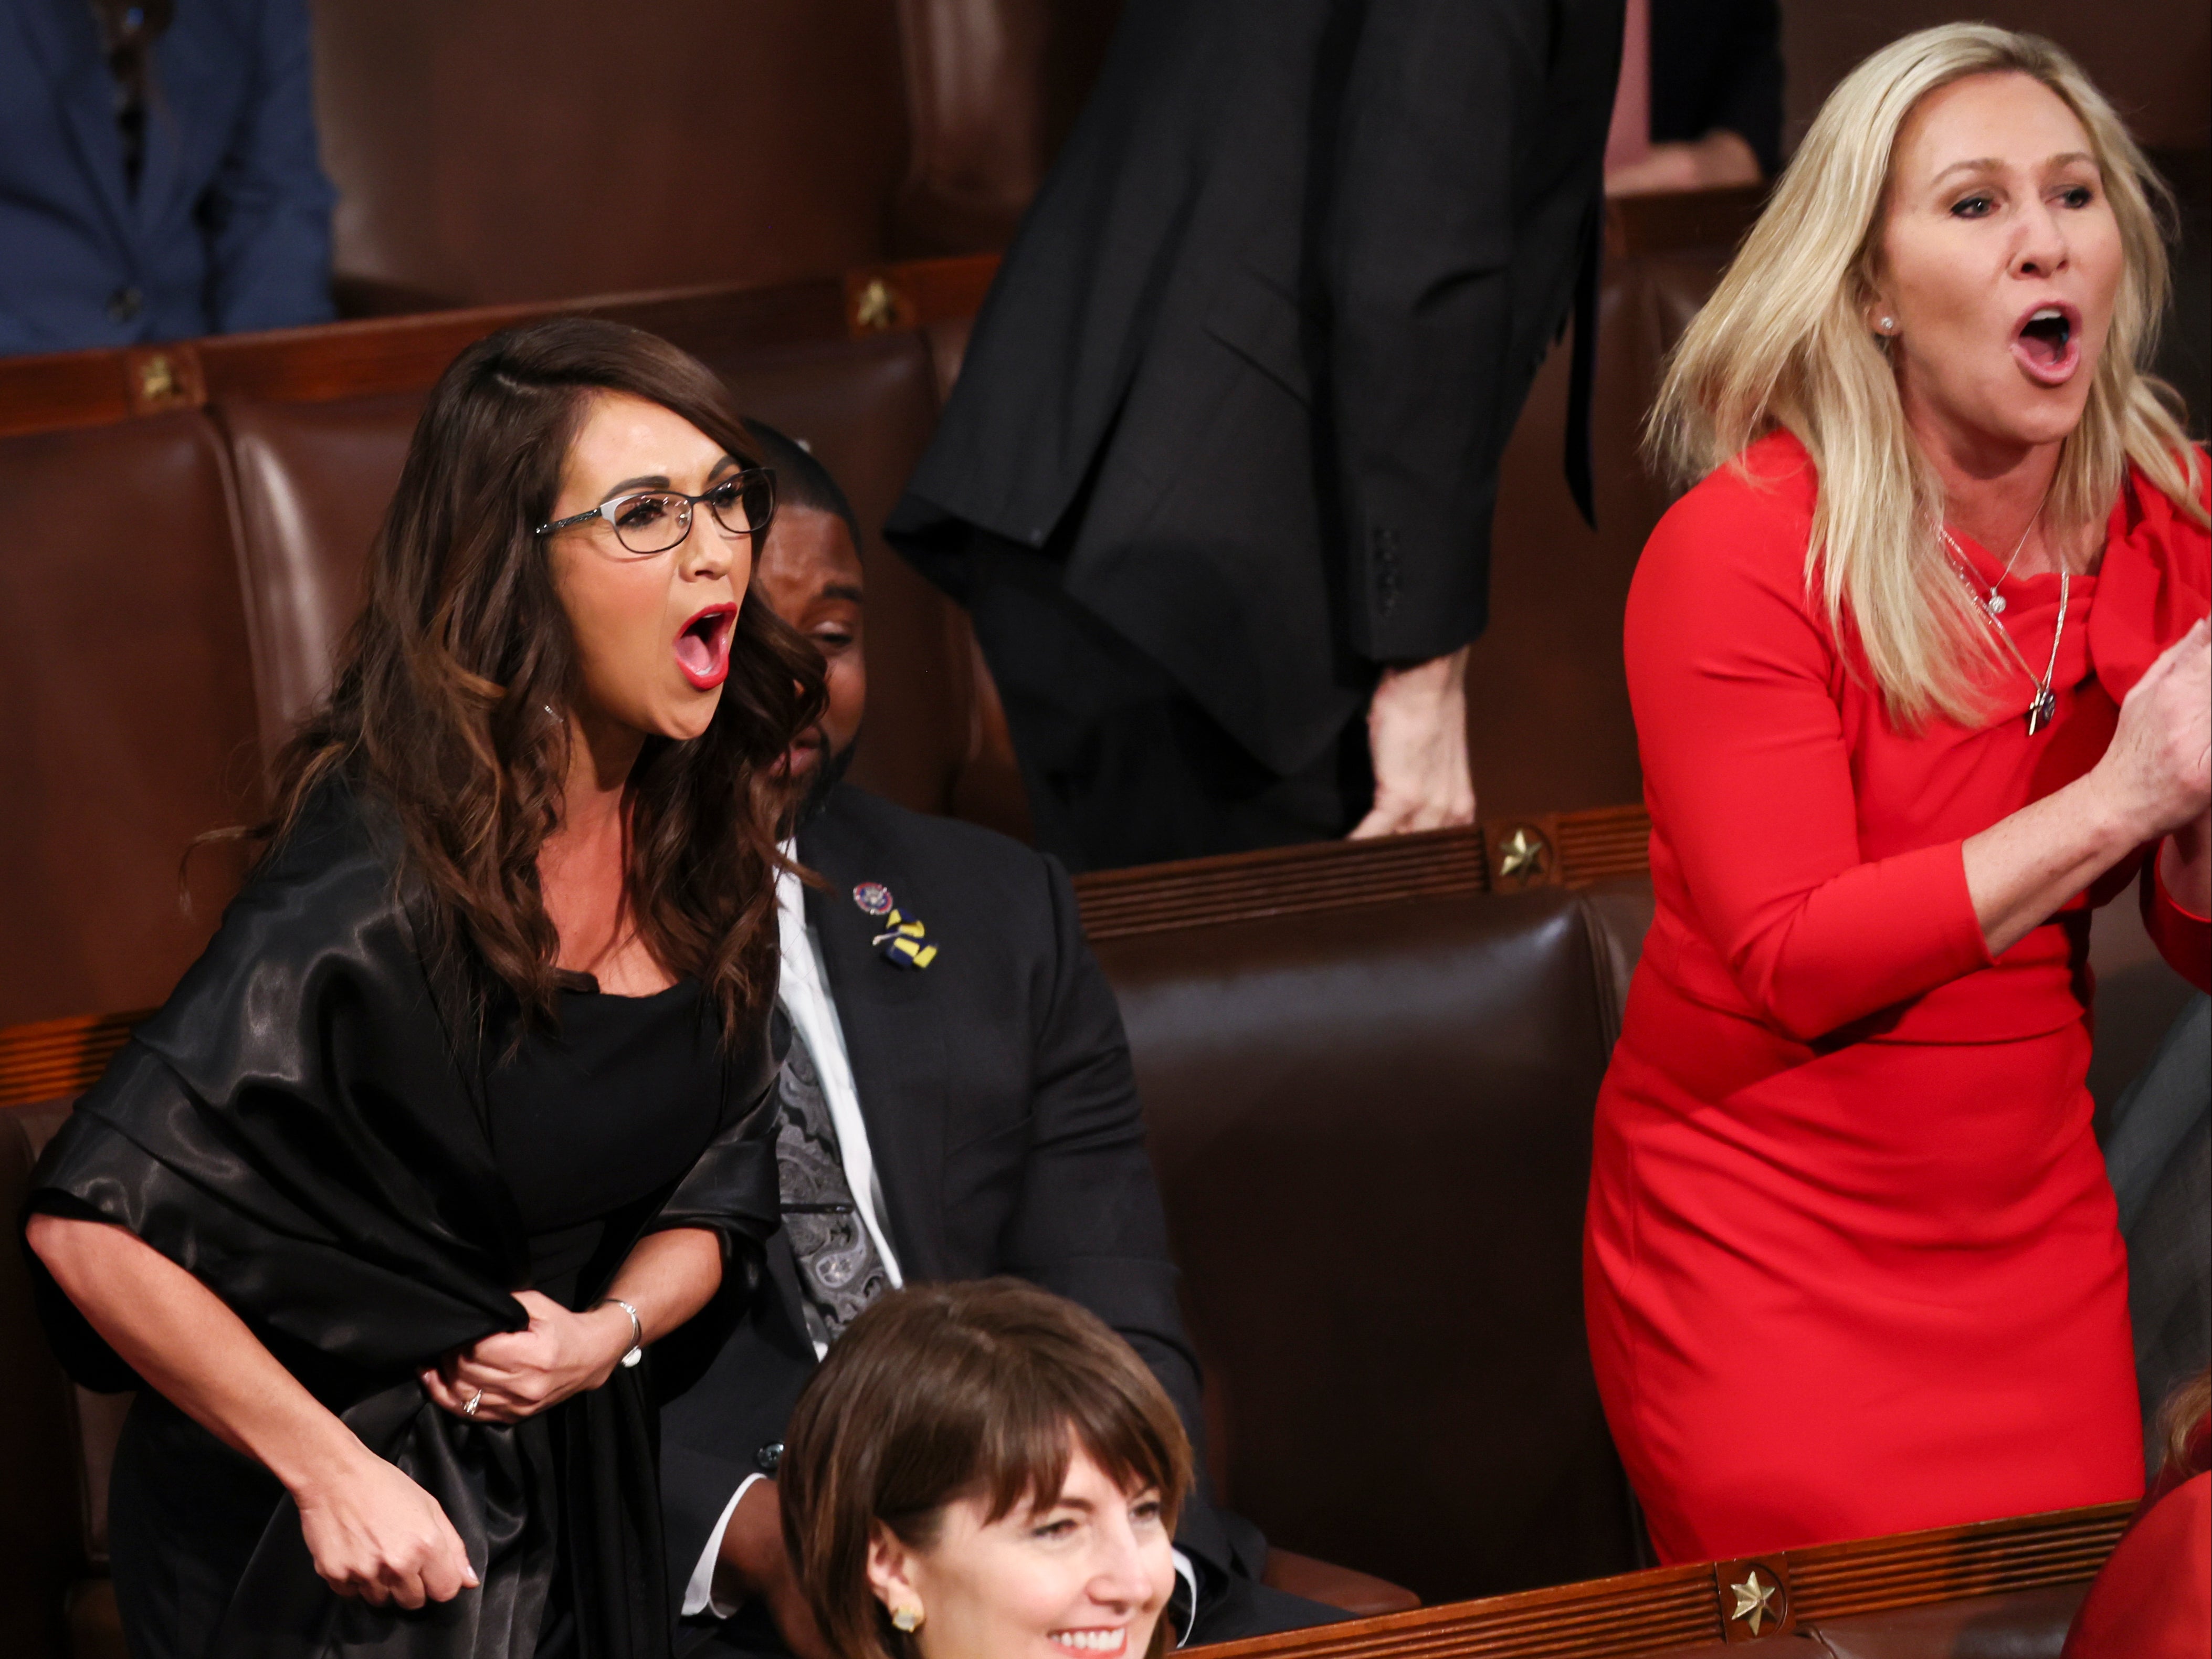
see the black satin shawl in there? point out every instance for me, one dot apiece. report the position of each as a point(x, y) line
point(300, 1126)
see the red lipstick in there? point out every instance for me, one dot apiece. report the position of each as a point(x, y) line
point(703, 645)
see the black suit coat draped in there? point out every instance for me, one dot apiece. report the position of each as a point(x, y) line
point(1003, 1121)
point(1251, 363)
point(302, 1127)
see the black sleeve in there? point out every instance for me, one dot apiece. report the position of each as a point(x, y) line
point(1417, 245)
point(1717, 65)
point(1088, 1223)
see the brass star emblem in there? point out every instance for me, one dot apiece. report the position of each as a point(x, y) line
point(157, 381)
point(1522, 855)
point(1754, 1601)
point(877, 308)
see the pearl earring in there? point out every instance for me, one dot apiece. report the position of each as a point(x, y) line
point(906, 1619)
point(1889, 325)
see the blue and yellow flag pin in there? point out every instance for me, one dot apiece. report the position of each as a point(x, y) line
point(900, 944)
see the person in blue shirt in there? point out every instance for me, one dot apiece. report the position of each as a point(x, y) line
point(158, 171)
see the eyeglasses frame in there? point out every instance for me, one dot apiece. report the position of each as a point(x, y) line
point(605, 510)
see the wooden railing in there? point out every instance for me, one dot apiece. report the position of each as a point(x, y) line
point(396, 353)
point(1728, 1602)
point(57, 1057)
point(1554, 849)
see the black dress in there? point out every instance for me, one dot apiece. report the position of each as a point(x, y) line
point(314, 1127)
point(590, 1129)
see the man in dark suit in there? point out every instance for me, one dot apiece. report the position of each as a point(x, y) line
point(158, 173)
point(958, 1103)
point(1217, 473)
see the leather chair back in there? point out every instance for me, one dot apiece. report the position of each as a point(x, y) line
point(313, 481)
point(127, 696)
point(483, 154)
point(39, 1525)
point(992, 87)
point(1548, 722)
point(1371, 1128)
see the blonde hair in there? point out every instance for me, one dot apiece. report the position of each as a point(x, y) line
point(1784, 342)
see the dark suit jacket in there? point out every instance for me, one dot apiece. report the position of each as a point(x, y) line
point(230, 226)
point(1003, 1118)
point(1250, 364)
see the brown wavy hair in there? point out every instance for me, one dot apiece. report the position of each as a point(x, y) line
point(439, 706)
point(939, 1392)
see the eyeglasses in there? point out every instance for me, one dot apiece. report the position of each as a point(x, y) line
point(654, 520)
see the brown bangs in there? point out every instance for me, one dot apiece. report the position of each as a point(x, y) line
point(1027, 1408)
point(941, 1393)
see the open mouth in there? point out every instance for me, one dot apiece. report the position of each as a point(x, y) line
point(2048, 343)
point(702, 649)
point(1092, 1641)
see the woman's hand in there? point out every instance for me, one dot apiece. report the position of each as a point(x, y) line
point(2155, 778)
point(519, 1374)
point(2156, 773)
point(376, 1536)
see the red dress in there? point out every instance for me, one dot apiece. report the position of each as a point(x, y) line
point(1851, 1264)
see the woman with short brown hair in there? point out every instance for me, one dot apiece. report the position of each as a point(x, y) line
point(985, 1471)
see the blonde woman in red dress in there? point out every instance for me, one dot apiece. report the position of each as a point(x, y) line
point(1921, 675)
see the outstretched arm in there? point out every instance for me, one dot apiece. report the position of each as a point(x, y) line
point(373, 1532)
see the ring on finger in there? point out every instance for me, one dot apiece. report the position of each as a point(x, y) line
point(474, 1400)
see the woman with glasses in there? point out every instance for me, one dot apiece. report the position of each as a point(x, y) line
point(459, 1111)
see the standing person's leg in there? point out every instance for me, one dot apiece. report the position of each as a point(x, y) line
point(2159, 1153)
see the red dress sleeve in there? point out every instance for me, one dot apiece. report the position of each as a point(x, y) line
point(1737, 688)
point(2183, 937)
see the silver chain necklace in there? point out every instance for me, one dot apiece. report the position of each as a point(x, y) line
point(2042, 708)
point(1995, 604)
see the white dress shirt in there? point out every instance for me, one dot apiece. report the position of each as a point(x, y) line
point(803, 991)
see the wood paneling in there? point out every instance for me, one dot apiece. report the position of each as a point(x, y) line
point(57, 1057)
point(1566, 849)
point(917, 292)
point(383, 353)
point(1642, 1613)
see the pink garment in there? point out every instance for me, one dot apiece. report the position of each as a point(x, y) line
point(1629, 139)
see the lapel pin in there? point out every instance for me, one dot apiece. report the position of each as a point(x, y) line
point(873, 897)
point(902, 943)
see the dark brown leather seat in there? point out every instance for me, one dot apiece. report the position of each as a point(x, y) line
point(128, 694)
point(477, 162)
point(1371, 1128)
point(313, 480)
point(41, 1525)
point(1548, 722)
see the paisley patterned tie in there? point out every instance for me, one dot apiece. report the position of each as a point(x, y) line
point(839, 1271)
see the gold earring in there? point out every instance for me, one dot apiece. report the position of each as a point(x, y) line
point(907, 1619)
